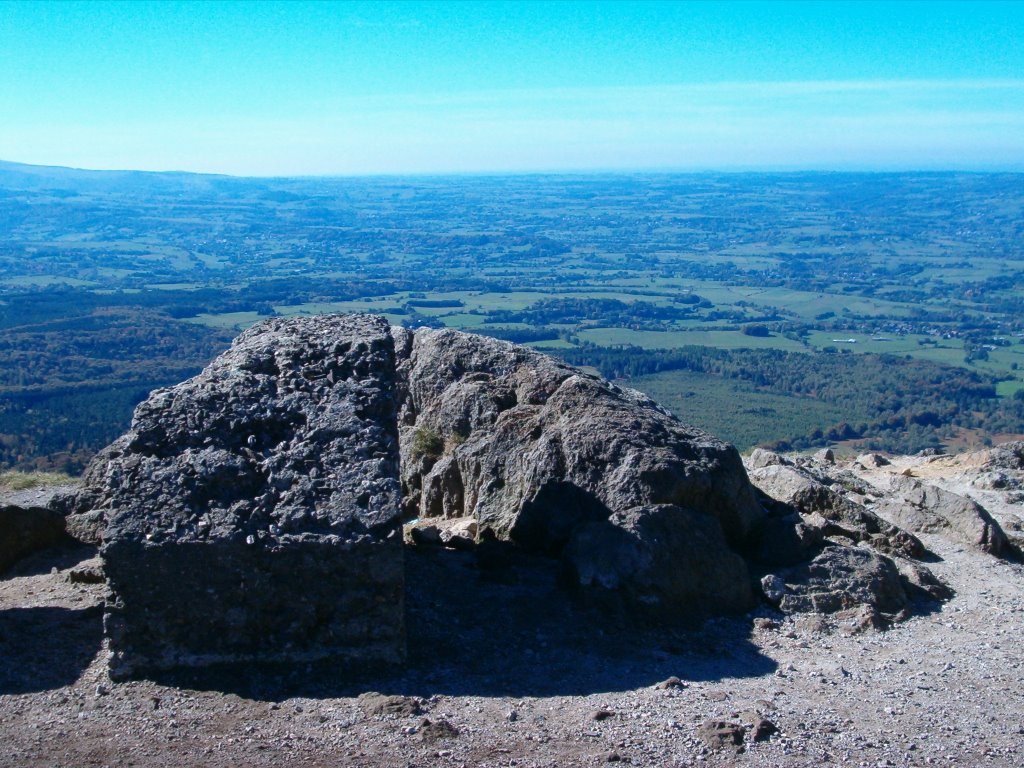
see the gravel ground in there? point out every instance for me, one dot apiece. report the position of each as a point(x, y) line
point(507, 670)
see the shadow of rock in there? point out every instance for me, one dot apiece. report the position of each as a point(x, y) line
point(61, 557)
point(507, 627)
point(46, 648)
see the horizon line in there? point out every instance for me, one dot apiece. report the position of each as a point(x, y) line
point(610, 171)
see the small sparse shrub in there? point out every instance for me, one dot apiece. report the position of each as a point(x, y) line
point(426, 442)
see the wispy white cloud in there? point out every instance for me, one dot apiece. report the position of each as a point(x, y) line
point(819, 124)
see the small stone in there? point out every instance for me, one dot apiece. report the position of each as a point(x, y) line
point(671, 682)
point(774, 588)
point(434, 730)
point(86, 573)
point(764, 729)
point(720, 733)
point(511, 715)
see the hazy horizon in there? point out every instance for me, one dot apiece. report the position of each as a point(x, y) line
point(355, 89)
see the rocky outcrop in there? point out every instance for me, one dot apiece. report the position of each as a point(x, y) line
point(558, 461)
point(831, 510)
point(252, 512)
point(925, 508)
point(823, 551)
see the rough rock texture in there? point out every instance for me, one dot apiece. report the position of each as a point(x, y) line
point(823, 551)
point(837, 514)
point(548, 457)
point(82, 506)
point(24, 530)
point(278, 467)
point(925, 508)
point(252, 512)
point(842, 578)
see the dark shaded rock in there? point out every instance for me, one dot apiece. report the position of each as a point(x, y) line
point(252, 512)
point(784, 539)
point(842, 578)
point(556, 460)
point(24, 530)
point(921, 582)
point(926, 508)
point(763, 729)
point(718, 734)
point(662, 560)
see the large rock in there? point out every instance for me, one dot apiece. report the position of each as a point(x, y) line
point(252, 512)
point(839, 579)
point(926, 508)
point(544, 455)
point(831, 510)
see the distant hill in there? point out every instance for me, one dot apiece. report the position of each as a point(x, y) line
point(58, 179)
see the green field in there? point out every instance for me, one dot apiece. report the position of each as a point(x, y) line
point(769, 273)
point(734, 410)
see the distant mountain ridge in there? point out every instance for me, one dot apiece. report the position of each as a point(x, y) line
point(26, 177)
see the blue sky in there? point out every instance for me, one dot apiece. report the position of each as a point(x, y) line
point(323, 88)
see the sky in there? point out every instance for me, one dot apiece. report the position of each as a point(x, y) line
point(323, 88)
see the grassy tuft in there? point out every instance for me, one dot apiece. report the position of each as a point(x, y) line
point(22, 481)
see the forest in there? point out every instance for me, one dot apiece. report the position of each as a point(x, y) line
point(789, 309)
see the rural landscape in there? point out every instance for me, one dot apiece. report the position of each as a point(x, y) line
point(876, 311)
point(503, 384)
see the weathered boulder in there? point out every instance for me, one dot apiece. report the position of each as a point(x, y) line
point(837, 515)
point(925, 508)
point(1007, 456)
point(542, 455)
point(252, 512)
point(839, 578)
point(761, 457)
point(24, 530)
point(872, 460)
